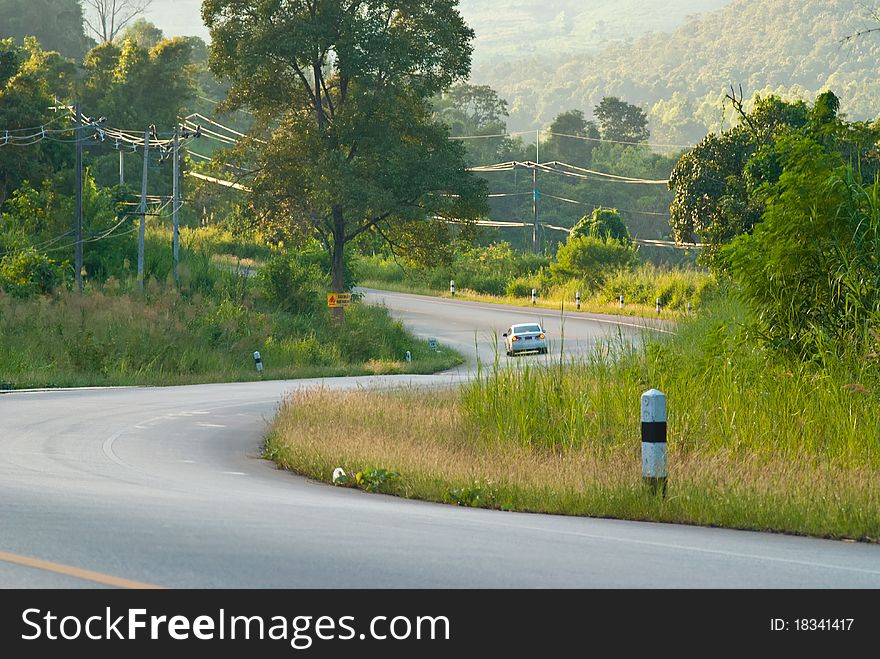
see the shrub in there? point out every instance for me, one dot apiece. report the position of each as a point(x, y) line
point(28, 273)
point(602, 223)
point(591, 260)
point(810, 269)
point(291, 285)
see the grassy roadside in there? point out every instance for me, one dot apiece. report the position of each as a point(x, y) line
point(111, 337)
point(591, 305)
point(754, 443)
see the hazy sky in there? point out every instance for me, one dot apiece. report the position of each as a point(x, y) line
point(178, 17)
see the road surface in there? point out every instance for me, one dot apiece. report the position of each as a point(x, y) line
point(165, 487)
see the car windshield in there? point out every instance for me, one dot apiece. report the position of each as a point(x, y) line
point(526, 328)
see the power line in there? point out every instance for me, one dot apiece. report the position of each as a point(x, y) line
point(584, 203)
point(552, 167)
point(574, 137)
point(606, 141)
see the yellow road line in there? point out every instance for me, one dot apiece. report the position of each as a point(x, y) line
point(78, 573)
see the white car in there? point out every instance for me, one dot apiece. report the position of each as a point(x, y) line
point(529, 337)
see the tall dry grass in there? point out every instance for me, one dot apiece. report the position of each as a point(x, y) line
point(755, 442)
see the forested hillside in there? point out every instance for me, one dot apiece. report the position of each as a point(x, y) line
point(548, 30)
point(791, 47)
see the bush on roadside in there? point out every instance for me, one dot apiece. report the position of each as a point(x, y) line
point(29, 273)
point(290, 285)
point(591, 260)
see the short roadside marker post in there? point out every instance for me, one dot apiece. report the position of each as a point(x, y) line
point(577, 297)
point(452, 287)
point(534, 296)
point(654, 461)
point(621, 301)
point(658, 306)
point(690, 308)
point(408, 356)
point(258, 360)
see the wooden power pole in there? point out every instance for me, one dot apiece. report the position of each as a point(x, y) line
point(79, 200)
point(143, 225)
point(175, 206)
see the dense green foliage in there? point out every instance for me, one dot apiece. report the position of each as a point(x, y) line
point(811, 269)
point(787, 47)
point(602, 223)
point(600, 269)
point(721, 185)
point(591, 259)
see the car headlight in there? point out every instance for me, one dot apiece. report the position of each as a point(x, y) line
point(514, 338)
point(540, 336)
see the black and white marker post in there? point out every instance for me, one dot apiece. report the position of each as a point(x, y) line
point(452, 287)
point(534, 296)
point(654, 465)
point(578, 299)
point(258, 360)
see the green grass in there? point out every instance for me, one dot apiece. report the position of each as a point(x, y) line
point(755, 441)
point(207, 331)
point(109, 338)
point(640, 286)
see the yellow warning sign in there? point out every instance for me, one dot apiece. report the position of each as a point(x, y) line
point(338, 300)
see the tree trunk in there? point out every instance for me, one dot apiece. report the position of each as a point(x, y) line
point(337, 260)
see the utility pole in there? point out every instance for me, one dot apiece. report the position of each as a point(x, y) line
point(79, 200)
point(121, 167)
point(175, 205)
point(535, 190)
point(143, 226)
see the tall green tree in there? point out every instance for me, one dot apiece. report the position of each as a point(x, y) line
point(622, 121)
point(472, 111)
point(57, 24)
point(342, 89)
point(572, 138)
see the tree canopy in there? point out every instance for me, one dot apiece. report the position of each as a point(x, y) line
point(621, 121)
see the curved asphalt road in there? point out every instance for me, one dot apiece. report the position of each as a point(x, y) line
point(137, 487)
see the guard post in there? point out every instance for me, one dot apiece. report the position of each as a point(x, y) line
point(654, 459)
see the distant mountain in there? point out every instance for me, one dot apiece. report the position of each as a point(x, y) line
point(791, 47)
point(514, 29)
